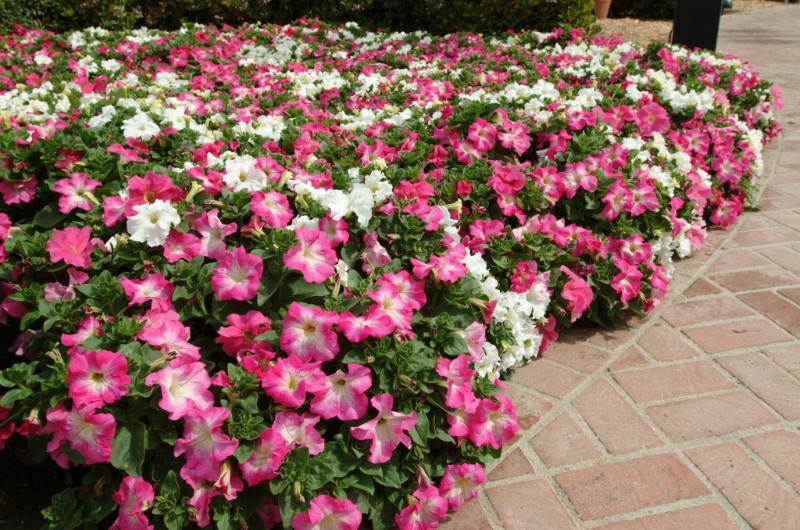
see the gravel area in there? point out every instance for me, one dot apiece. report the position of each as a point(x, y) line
point(645, 31)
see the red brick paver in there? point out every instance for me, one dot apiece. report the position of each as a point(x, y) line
point(531, 504)
point(779, 449)
point(706, 516)
point(756, 495)
point(614, 421)
point(612, 489)
point(564, 442)
point(690, 418)
point(701, 417)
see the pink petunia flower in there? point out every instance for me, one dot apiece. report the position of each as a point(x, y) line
point(652, 118)
point(475, 337)
point(328, 512)
point(88, 433)
point(524, 276)
point(515, 136)
point(212, 234)
point(184, 388)
point(76, 192)
point(56, 292)
point(643, 198)
point(288, 380)
point(342, 395)
point(308, 333)
point(273, 207)
point(337, 231)
point(239, 336)
point(460, 483)
point(97, 377)
point(88, 327)
point(237, 275)
point(180, 245)
point(313, 256)
point(374, 323)
point(153, 187)
point(577, 292)
point(634, 249)
point(618, 199)
point(459, 379)
point(114, 209)
point(153, 288)
point(133, 497)
point(268, 453)
point(170, 336)
point(203, 442)
point(494, 422)
point(409, 290)
point(72, 246)
point(425, 514)
point(126, 154)
point(386, 430)
point(374, 255)
point(18, 191)
point(482, 135)
point(390, 303)
point(726, 212)
point(298, 430)
point(628, 283)
point(204, 492)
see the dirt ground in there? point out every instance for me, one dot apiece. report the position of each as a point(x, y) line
point(644, 31)
point(24, 492)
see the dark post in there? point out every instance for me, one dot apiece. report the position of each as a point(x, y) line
point(697, 23)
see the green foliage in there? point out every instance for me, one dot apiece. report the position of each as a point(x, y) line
point(644, 9)
point(439, 16)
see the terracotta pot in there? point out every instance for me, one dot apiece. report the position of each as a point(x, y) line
point(601, 8)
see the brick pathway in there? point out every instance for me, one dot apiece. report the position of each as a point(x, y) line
point(689, 418)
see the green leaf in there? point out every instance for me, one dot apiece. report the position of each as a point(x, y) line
point(182, 293)
point(128, 448)
point(419, 434)
point(391, 477)
point(63, 512)
point(333, 463)
point(455, 345)
point(300, 290)
point(266, 290)
point(28, 318)
point(13, 396)
point(170, 487)
point(223, 519)
point(49, 216)
point(175, 519)
point(289, 505)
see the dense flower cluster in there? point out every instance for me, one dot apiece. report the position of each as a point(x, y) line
point(275, 273)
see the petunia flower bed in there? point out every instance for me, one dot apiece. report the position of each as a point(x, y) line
point(275, 275)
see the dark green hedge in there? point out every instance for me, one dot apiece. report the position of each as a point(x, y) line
point(643, 9)
point(440, 16)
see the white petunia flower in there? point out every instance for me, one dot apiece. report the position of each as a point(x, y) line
point(488, 365)
point(42, 59)
point(107, 113)
point(242, 174)
point(380, 187)
point(336, 202)
point(140, 126)
point(362, 203)
point(152, 222)
point(110, 65)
